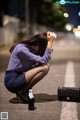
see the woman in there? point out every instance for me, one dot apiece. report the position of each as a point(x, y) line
point(29, 64)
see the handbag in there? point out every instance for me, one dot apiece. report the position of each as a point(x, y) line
point(69, 94)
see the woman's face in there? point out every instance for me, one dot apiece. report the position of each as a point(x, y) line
point(35, 48)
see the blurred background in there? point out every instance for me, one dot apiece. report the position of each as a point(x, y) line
point(20, 18)
point(27, 17)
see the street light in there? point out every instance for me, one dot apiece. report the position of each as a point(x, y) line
point(66, 15)
point(68, 27)
point(78, 13)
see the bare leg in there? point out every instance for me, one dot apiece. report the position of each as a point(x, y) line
point(29, 75)
point(35, 75)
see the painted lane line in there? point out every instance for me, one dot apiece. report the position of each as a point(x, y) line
point(69, 109)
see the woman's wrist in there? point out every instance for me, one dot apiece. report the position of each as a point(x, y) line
point(51, 36)
point(50, 44)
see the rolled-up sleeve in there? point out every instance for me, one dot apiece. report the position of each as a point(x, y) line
point(25, 54)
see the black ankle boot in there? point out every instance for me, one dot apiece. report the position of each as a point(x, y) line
point(31, 102)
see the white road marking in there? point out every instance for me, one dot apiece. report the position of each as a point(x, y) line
point(69, 109)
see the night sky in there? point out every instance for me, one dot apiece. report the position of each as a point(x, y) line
point(73, 14)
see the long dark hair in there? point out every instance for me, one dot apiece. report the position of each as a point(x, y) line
point(39, 39)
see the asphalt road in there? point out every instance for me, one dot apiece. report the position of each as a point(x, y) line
point(64, 71)
point(48, 107)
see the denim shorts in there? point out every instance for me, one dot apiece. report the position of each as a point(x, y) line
point(14, 81)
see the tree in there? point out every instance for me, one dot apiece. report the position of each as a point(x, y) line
point(45, 12)
point(51, 14)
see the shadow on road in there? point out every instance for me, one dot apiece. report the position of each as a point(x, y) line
point(38, 98)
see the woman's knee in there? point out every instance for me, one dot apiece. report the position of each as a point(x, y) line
point(46, 68)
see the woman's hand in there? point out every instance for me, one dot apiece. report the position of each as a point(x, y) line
point(51, 36)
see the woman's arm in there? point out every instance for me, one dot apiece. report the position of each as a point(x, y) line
point(24, 53)
point(51, 38)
